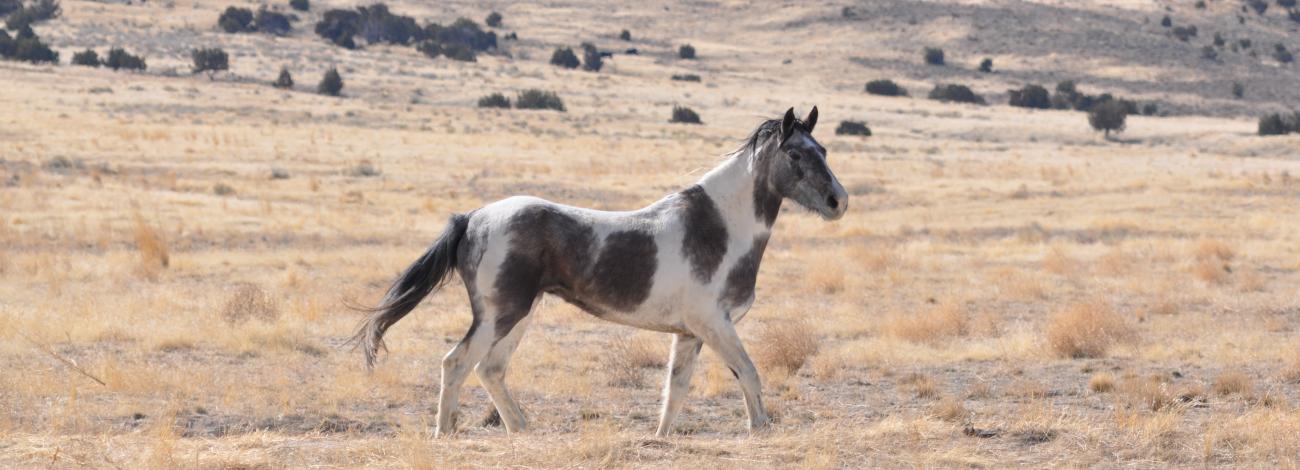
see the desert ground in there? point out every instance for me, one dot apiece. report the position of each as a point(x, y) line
point(1008, 288)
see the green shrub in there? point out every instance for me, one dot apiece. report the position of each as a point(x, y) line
point(1209, 53)
point(10, 6)
point(118, 59)
point(1260, 6)
point(284, 81)
point(300, 5)
point(236, 20)
point(1274, 124)
point(684, 115)
point(538, 99)
point(564, 57)
point(689, 77)
point(955, 93)
point(625, 35)
point(1282, 54)
point(1149, 109)
point(1238, 90)
point(885, 88)
point(458, 51)
point(933, 56)
point(493, 20)
point(6, 45)
point(273, 23)
point(853, 128)
point(986, 65)
point(1030, 96)
point(1286, 3)
point(1184, 33)
point(591, 59)
point(495, 100)
point(1108, 116)
point(36, 12)
point(687, 51)
point(88, 58)
point(27, 47)
point(430, 48)
point(1166, 21)
point(210, 60)
point(331, 84)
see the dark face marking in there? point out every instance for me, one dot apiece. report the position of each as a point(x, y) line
point(740, 281)
point(705, 242)
point(624, 272)
point(789, 163)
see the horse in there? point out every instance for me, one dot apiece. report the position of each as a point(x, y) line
point(685, 265)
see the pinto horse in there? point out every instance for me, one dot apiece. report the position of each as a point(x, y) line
point(685, 265)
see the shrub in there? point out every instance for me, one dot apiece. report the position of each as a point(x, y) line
point(339, 26)
point(378, 25)
point(36, 12)
point(625, 35)
point(1108, 116)
point(9, 6)
point(687, 51)
point(853, 128)
point(29, 48)
point(461, 52)
point(955, 93)
point(431, 49)
point(236, 20)
point(1149, 109)
point(118, 58)
point(1238, 90)
point(210, 60)
point(1245, 43)
point(1293, 14)
point(1031, 96)
point(591, 60)
point(284, 81)
point(1086, 330)
point(933, 56)
point(564, 57)
point(538, 99)
point(885, 88)
point(689, 77)
point(986, 65)
point(786, 345)
point(300, 5)
point(1273, 124)
point(1282, 54)
point(1200, 4)
point(464, 32)
point(1218, 40)
point(88, 58)
point(1286, 3)
point(1260, 6)
point(1184, 34)
point(331, 84)
point(493, 20)
point(6, 45)
point(270, 22)
point(1209, 53)
point(250, 302)
point(495, 100)
point(684, 115)
point(1166, 21)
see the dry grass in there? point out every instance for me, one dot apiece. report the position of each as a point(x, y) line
point(1087, 329)
point(250, 302)
point(785, 345)
point(1101, 382)
point(939, 306)
point(934, 325)
point(1233, 383)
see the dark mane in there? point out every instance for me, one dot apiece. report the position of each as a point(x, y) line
point(765, 131)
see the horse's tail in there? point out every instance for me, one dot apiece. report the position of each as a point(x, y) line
point(419, 280)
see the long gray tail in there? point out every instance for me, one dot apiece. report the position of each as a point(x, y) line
point(419, 280)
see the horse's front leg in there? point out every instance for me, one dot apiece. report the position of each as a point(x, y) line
point(718, 332)
point(681, 364)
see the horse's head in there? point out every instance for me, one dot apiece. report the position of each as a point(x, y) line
point(799, 170)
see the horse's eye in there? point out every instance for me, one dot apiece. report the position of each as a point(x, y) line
point(795, 155)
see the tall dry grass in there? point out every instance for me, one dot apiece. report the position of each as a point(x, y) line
point(785, 345)
point(1087, 329)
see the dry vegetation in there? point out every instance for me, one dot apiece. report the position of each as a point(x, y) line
point(1008, 288)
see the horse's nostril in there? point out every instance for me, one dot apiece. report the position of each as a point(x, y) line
point(832, 202)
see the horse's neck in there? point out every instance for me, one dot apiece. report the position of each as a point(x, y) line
point(731, 186)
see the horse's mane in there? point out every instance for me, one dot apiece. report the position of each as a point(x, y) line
point(764, 131)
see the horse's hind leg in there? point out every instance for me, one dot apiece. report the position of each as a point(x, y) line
point(456, 365)
point(492, 373)
point(681, 365)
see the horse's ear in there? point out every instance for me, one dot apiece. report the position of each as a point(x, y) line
point(787, 125)
point(812, 119)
